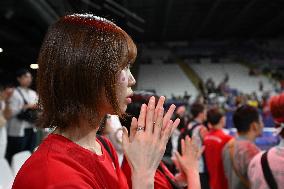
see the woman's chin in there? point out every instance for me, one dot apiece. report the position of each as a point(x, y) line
point(123, 108)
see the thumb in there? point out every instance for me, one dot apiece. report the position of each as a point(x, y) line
point(176, 163)
point(125, 139)
point(178, 157)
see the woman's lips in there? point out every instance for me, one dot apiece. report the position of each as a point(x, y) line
point(129, 100)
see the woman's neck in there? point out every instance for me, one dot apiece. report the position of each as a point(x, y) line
point(82, 134)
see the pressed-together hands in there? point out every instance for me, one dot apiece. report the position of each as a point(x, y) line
point(146, 145)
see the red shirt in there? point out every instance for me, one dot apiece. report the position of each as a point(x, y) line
point(160, 180)
point(60, 163)
point(214, 142)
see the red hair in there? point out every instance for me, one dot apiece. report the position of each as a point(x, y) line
point(79, 62)
point(277, 108)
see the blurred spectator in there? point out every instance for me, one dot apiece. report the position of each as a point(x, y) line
point(260, 86)
point(253, 101)
point(227, 78)
point(238, 153)
point(214, 142)
point(210, 85)
point(112, 129)
point(266, 168)
point(21, 134)
point(202, 88)
point(186, 96)
point(5, 93)
point(181, 114)
point(197, 130)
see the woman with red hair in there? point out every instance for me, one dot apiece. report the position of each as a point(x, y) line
point(266, 168)
point(84, 74)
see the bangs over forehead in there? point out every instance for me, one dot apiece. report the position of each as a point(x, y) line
point(78, 64)
point(131, 49)
point(128, 47)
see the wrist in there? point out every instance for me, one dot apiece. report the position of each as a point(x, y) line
point(192, 174)
point(142, 179)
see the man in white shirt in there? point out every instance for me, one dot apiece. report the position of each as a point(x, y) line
point(5, 94)
point(21, 134)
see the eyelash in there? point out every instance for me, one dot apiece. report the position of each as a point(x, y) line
point(129, 66)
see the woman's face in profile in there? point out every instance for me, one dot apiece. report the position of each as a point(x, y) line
point(125, 78)
point(123, 88)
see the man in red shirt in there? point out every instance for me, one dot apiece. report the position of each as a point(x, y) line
point(214, 142)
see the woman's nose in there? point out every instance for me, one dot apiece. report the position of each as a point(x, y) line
point(131, 80)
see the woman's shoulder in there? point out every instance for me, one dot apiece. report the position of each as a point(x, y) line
point(47, 166)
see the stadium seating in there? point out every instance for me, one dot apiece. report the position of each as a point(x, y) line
point(165, 79)
point(239, 76)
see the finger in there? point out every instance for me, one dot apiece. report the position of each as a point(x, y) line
point(175, 125)
point(160, 104)
point(187, 141)
point(168, 115)
point(178, 157)
point(183, 149)
point(189, 145)
point(142, 116)
point(159, 122)
point(176, 162)
point(150, 115)
point(177, 122)
point(125, 140)
point(133, 129)
point(194, 140)
point(167, 133)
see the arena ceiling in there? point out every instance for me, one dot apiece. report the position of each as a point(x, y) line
point(24, 22)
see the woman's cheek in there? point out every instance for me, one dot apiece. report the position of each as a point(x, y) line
point(123, 80)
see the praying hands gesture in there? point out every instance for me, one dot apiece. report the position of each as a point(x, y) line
point(146, 145)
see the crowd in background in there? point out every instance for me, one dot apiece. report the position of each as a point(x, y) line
point(227, 161)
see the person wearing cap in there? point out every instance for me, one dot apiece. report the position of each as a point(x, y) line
point(266, 169)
